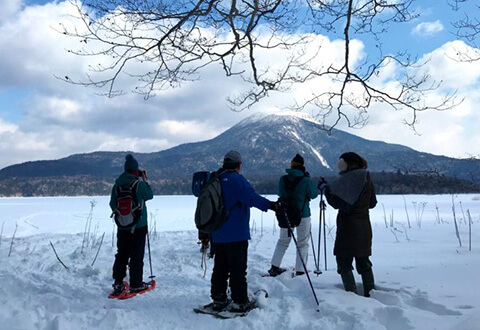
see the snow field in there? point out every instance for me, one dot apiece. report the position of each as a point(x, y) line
point(424, 282)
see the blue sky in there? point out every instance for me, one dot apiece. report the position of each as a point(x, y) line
point(44, 118)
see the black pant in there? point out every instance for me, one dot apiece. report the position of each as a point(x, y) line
point(362, 264)
point(130, 251)
point(230, 262)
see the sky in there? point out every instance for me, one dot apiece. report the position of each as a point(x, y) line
point(42, 117)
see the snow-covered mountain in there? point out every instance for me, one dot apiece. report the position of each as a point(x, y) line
point(267, 144)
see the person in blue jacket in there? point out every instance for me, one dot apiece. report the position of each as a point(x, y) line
point(230, 240)
point(131, 241)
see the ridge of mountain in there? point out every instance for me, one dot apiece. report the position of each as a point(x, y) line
point(267, 143)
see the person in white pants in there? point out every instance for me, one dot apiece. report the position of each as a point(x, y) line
point(302, 235)
point(295, 187)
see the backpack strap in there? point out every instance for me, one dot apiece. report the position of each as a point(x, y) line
point(291, 185)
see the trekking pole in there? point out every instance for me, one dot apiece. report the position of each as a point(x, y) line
point(322, 204)
point(150, 256)
point(290, 230)
point(322, 209)
point(314, 255)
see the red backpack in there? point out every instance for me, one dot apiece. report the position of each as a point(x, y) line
point(128, 211)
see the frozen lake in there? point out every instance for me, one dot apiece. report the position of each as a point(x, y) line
point(425, 280)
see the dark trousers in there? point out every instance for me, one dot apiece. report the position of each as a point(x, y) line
point(362, 264)
point(230, 262)
point(130, 251)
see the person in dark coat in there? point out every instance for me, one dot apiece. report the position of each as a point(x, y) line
point(230, 240)
point(131, 240)
point(353, 194)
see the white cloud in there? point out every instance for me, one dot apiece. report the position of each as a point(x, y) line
point(61, 119)
point(442, 66)
point(7, 127)
point(8, 9)
point(426, 29)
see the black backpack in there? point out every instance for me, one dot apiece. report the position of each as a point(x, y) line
point(210, 212)
point(128, 211)
point(289, 214)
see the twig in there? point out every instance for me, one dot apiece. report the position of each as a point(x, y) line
point(406, 211)
point(469, 231)
point(419, 212)
point(261, 224)
point(330, 229)
point(95, 232)
point(58, 258)
point(393, 232)
point(385, 216)
point(96, 255)
point(455, 221)
point(405, 229)
point(438, 214)
point(90, 216)
point(1, 233)
point(13, 237)
point(463, 213)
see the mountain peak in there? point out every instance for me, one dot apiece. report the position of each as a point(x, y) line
point(279, 117)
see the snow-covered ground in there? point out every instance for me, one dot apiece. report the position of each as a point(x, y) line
point(425, 280)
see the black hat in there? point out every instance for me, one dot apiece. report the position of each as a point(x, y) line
point(131, 163)
point(297, 161)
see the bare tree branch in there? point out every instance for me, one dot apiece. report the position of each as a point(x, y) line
point(162, 44)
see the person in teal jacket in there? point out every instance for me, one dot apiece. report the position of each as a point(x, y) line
point(131, 240)
point(304, 190)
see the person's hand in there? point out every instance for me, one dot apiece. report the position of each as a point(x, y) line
point(273, 206)
point(144, 175)
point(322, 185)
point(307, 174)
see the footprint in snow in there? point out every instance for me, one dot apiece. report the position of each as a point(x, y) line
point(401, 298)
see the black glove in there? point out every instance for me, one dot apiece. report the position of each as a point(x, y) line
point(273, 206)
point(307, 174)
point(322, 185)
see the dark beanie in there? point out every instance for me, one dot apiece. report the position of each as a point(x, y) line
point(354, 160)
point(131, 163)
point(297, 161)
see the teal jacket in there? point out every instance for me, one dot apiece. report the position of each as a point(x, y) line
point(303, 193)
point(144, 194)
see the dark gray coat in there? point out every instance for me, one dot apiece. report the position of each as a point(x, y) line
point(354, 231)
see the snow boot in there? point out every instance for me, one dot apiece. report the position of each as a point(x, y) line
point(299, 273)
point(243, 308)
point(118, 288)
point(275, 271)
point(368, 283)
point(349, 281)
point(218, 305)
point(143, 287)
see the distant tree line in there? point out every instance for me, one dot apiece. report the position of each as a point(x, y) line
point(85, 185)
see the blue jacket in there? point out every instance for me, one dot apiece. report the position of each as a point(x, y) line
point(238, 196)
point(304, 191)
point(144, 193)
